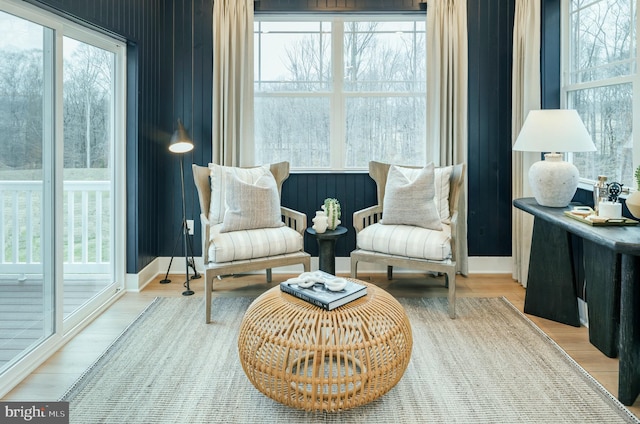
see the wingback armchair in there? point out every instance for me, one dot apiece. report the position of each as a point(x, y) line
point(394, 242)
point(244, 227)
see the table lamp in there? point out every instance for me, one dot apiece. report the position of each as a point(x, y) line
point(553, 181)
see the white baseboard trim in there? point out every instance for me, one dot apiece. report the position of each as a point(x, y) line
point(490, 265)
point(136, 282)
point(477, 265)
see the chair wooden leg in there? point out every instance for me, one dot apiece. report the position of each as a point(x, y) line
point(208, 287)
point(354, 268)
point(268, 275)
point(389, 272)
point(451, 281)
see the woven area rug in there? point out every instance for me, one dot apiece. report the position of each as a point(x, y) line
point(490, 365)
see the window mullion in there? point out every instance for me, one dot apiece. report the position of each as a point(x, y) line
point(636, 99)
point(337, 103)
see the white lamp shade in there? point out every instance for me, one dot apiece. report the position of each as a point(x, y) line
point(181, 147)
point(180, 140)
point(554, 130)
point(553, 181)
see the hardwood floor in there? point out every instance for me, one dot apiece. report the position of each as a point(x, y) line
point(51, 380)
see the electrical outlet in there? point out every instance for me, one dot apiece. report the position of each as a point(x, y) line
point(190, 226)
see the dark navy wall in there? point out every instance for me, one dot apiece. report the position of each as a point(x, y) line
point(170, 78)
point(490, 26)
point(550, 54)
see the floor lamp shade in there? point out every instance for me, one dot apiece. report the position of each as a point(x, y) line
point(180, 140)
point(553, 181)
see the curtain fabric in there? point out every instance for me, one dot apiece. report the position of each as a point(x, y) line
point(447, 100)
point(233, 82)
point(525, 97)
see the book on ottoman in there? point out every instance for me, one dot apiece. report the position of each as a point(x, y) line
point(314, 287)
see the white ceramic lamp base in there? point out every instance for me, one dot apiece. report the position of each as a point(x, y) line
point(553, 181)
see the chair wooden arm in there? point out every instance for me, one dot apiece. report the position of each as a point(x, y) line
point(294, 219)
point(204, 233)
point(454, 234)
point(365, 217)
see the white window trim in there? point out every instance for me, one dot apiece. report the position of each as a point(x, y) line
point(566, 86)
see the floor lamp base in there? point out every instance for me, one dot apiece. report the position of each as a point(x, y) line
point(190, 262)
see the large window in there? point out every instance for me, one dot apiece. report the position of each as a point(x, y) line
point(336, 93)
point(600, 81)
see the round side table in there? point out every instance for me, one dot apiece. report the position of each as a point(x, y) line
point(327, 247)
point(308, 358)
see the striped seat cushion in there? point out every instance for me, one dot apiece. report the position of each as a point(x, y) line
point(405, 240)
point(252, 244)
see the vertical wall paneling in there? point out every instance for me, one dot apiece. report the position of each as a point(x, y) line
point(490, 25)
point(202, 96)
point(550, 54)
point(132, 133)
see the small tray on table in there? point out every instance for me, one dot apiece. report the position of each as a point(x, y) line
point(608, 223)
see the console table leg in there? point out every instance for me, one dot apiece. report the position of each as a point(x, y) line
point(629, 366)
point(602, 275)
point(550, 291)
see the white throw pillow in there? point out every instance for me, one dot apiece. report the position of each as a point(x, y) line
point(218, 176)
point(409, 198)
point(251, 206)
point(442, 176)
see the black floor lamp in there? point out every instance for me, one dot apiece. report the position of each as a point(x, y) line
point(180, 144)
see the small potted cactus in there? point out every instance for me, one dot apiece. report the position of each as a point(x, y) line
point(331, 208)
point(633, 199)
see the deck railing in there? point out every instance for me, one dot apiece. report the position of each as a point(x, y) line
point(86, 234)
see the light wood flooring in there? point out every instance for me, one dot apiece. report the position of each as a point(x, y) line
point(51, 380)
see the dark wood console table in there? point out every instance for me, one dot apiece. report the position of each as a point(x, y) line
point(611, 260)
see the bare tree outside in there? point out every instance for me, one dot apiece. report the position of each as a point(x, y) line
point(87, 94)
point(600, 87)
point(21, 109)
point(87, 100)
point(367, 99)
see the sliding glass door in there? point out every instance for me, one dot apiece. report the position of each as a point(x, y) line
point(27, 284)
point(61, 195)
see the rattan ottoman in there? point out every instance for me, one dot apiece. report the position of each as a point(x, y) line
point(308, 358)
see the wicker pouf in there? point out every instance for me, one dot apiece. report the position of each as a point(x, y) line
point(303, 356)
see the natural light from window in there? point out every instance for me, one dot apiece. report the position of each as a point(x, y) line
point(336, 93)
point(600, 81)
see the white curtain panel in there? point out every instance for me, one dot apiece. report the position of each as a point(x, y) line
point(525, 97)
point(447, 87)
point(233, 82)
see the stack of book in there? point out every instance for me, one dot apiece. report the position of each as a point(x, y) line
point(319, 293)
